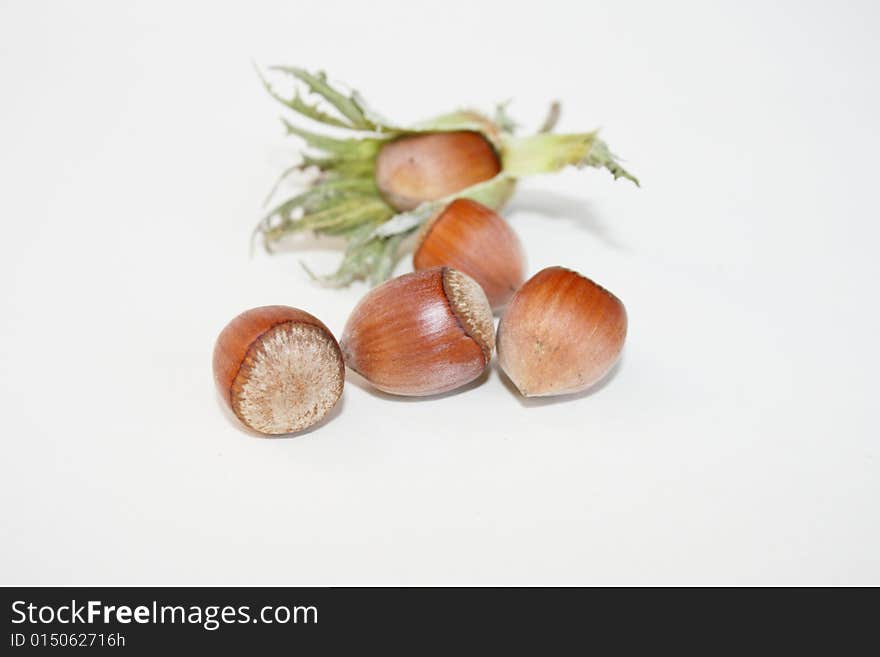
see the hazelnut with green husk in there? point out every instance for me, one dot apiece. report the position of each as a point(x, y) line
point(383, 181)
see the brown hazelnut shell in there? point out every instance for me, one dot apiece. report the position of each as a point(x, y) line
point(422, 333)
point(561, 333)
point(427, 167)
point(279, 369)
point(473, 239)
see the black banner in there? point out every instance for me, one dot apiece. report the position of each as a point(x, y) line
point(412, 621)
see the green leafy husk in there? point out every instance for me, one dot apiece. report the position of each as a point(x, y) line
point(342, 199)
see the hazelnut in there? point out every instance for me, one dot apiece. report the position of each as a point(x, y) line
point(560, 334)
point(473, 239)
point(421, 334)
point(427, 167)
point(279, 369)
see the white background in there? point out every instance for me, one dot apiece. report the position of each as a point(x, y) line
point(736, 444)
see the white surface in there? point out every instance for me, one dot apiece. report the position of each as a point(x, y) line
point(736, 444)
